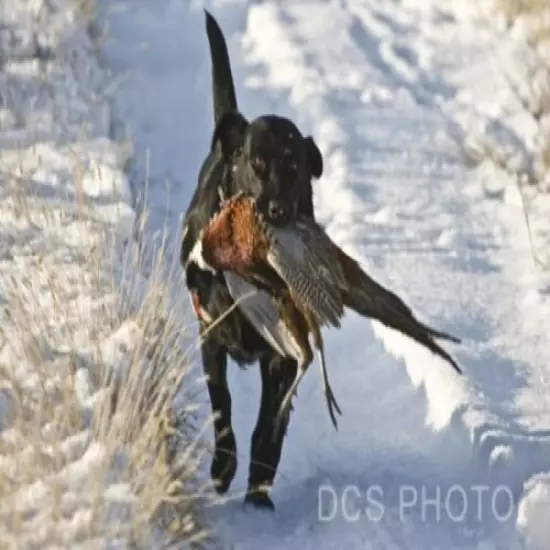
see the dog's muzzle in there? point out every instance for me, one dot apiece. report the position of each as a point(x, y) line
point(277, 213)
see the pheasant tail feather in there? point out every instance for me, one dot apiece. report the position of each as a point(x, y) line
point(368, 298)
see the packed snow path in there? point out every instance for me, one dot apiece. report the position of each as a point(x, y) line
point(376, 85)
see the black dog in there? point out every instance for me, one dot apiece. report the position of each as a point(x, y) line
point(269, 159)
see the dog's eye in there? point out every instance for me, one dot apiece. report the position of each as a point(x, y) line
point(292, 164)
point(258, 165)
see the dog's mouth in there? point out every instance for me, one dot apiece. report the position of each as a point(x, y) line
point(279, 214)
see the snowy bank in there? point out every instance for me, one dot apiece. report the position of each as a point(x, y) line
point(91, 352)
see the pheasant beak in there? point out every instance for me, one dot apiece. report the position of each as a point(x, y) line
point(197, 256)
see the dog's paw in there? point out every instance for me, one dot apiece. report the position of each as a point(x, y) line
point(259, 499)
point(224, 464)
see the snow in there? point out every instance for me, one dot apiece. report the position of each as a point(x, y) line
point(70, 292)
point(391, 92)
point(534, 511)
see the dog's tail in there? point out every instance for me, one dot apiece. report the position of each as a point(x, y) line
point(223, 89)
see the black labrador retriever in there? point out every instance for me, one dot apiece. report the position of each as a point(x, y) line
point(269, 159)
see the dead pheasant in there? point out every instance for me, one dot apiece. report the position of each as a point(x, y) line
point(283, 299)
point(305, 281)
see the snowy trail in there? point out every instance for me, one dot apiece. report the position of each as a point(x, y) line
point(376, 85)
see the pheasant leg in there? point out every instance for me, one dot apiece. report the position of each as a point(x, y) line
point(327, 390)
point(329, 395)
point(284, 409)
point(332, 404)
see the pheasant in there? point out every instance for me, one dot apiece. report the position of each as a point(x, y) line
point(303, 281)
point(285, 303)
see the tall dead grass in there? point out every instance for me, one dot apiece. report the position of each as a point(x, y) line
point(92, 356)
point(533, 16)
point(536, 11)
point(520, 147)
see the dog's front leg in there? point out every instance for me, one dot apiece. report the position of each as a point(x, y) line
point(278, 374)
point(224, 461)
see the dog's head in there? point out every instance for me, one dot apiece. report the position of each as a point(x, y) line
point(271, 161)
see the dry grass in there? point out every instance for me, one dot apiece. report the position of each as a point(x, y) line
point(91, 358)
point(513, 8)
point(534, 17)
point(537, 12)
point(97, 447)
point(524, 155)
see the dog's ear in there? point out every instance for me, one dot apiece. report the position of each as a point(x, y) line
point(314, 157)
point(229, 132)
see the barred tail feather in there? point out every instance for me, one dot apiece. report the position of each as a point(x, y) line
point(368, 298)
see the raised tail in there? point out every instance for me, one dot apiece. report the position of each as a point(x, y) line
point(370, 299)
point(223, 88)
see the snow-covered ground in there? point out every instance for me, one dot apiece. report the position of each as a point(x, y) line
point(385, 88)
point(389, 90)
point(75, 308)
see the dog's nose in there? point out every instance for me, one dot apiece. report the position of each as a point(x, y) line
point(275, 210)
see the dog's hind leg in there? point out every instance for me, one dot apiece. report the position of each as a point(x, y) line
point(267, 440)
point(224, 461)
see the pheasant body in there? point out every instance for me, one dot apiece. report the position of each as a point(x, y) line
point(239, 240)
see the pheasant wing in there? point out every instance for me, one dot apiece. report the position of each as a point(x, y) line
point(258, 307)
point(320, 252)
point(307, 274)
